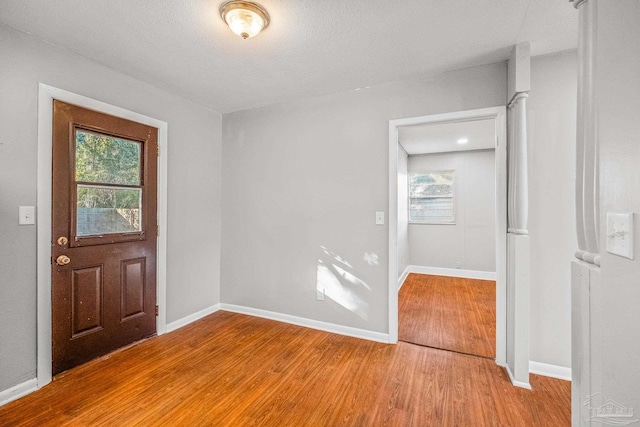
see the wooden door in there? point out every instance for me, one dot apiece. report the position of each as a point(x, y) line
point(104, 232)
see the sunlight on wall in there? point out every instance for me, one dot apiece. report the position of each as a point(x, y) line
point(371, 258)
point(350, 277)
point(340, 284)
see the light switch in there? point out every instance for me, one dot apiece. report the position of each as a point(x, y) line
point(379, 218)
point(26, 215)
point(620, 234)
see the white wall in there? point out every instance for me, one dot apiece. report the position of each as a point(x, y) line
point(194, 186)
point(470, 243)
point(552, 135)
point(302, 176)
point(404, 254)
point(615, 327)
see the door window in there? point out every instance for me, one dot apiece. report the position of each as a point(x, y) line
point(108, 187)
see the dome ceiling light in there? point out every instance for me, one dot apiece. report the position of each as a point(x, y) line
point(245, 18)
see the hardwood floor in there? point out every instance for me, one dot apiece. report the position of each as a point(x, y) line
point(450, 313)
point(234, 370)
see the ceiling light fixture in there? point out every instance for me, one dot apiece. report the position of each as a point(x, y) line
point(245, 18)
point(463, 141)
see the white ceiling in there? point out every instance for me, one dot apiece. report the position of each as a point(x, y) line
point(443, 137)
point(311, 47)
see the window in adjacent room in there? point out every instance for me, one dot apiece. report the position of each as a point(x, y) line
point(431, 197)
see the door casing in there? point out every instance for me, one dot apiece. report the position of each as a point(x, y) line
point(498, 114)
point(46, 95)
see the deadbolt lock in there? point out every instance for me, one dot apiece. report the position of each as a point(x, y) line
point(63, 260)
point(62, 241)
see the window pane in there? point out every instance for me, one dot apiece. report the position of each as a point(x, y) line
point(106, 159)
point(425, 184)
point(106, 210)
point(432, 210)
point(431, 197)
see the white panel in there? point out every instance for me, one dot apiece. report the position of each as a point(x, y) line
point(552, 109)
point(519, 69)
point(580, 341)
point(518, 299)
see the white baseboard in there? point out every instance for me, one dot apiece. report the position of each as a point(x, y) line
point(192, 317)
point(520, 384)
point(405, 273)
point(17, 391)
point(452, 272)
point(308, 323)
point(547, 370)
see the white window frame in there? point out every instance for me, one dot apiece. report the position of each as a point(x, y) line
point(451, 221)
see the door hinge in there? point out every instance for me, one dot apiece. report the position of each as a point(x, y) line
point(157, 310)
point(158, 149)
point(157, 230)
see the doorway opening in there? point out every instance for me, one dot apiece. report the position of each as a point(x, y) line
point(447, 219)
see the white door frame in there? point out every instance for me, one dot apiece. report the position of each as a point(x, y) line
point(499, 115)
point(46, 95)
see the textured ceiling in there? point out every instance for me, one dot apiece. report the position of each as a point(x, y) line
point(311, 47)
point(443, 137)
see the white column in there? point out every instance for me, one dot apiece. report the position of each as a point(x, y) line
point(587, 183)
point(585, 272)
point(518, 258)
point(518, 166)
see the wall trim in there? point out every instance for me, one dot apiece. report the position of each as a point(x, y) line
point(548, 370)
point(46, 95)
point(520, 384)
point(17, 391)
point(308, 323)
point(452, 272)
point(402, 279)
point(177, 324)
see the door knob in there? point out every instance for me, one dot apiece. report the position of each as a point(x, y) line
point(62, 241)
point(63, 260)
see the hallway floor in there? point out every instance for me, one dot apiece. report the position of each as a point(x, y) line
point(449, 313)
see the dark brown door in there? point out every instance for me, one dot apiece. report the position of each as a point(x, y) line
point(103, 234)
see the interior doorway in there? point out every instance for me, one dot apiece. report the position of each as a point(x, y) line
point(477, 261)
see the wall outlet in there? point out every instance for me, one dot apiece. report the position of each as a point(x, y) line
point(320, 294)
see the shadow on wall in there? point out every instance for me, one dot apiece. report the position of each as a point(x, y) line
point(337, 281)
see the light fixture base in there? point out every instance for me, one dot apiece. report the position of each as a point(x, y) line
point(246, 19)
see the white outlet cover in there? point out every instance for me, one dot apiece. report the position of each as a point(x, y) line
point(379, 218)
point(620, 234)
point(26, 215)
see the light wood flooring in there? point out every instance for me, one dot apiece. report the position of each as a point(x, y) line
point(234, 370)
point(449, 313)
